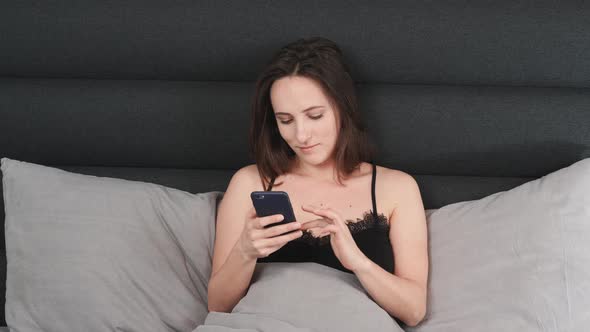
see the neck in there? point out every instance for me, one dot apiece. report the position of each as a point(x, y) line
point(322, 172)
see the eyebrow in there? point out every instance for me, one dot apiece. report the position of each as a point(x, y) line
point(305, 110)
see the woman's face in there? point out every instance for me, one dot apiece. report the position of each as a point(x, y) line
point(305, 118)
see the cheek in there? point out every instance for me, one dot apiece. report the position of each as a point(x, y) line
point(330, 128)
point(285, 133)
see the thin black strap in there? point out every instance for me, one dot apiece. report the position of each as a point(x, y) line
point(272, 182)
point(373, 190)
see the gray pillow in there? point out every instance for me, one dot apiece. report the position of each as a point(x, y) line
point(303, 297)
point(87, 253)
point(514, 261)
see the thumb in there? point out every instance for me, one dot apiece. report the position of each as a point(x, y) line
point(252, 212)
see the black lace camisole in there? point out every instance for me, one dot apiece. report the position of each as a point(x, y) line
point(371, 234)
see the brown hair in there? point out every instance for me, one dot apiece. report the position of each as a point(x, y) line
point(319, 59)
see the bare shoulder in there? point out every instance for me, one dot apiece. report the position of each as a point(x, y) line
point(246, 177)
point(395, 180)
point(395, 187)
point(248, 171)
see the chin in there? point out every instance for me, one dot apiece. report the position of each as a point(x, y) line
point(316, 160)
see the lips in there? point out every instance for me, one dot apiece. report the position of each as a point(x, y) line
point(307, 147)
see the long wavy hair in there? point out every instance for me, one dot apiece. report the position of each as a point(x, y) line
point(322, 60)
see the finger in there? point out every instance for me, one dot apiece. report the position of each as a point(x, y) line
point(309, 208)
point(277, 247)
point(252, 212)
point(280, 229)
point(313, 223)
point(263, 221)
point(314, 210)
point(328, 213)
point(326, 230)
point(331, 229)
point(279, 240)
point(256, 234)
point(317, 231)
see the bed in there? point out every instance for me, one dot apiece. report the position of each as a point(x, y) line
point(471, 98)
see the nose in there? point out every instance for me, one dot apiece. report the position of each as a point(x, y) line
point(302, 134)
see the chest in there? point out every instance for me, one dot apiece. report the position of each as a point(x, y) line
point(352, 201)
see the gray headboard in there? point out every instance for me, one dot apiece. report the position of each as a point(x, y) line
point(469, 97)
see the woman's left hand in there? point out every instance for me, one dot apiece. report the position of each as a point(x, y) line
point(341, 240)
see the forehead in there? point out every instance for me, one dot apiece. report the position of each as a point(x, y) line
point(295, 93)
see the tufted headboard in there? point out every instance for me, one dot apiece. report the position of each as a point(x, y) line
point(469, 97)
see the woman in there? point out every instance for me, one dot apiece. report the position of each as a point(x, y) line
point(307, 139)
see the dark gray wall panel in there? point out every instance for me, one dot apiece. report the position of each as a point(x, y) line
point(436, 130)
point(540, 43)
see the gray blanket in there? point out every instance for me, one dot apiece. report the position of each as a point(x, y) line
point(302, 297)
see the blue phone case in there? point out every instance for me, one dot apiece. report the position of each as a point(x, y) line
point(268, 203)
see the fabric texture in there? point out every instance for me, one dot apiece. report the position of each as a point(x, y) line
point(87, 253)
point(514, 261)
point(302, 297)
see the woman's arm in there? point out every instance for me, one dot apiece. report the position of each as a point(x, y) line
point(402, 298)
point(404, 293)
point(230, 283)
point(231, 270)
point(241, 237)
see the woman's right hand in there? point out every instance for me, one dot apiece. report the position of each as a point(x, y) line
point(257, 242)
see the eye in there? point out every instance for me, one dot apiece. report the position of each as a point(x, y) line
point(316, 117)
point(286, 122)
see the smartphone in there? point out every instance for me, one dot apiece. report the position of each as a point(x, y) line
point(268, 203)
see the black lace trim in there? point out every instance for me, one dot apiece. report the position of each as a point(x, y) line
point(357, 226)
